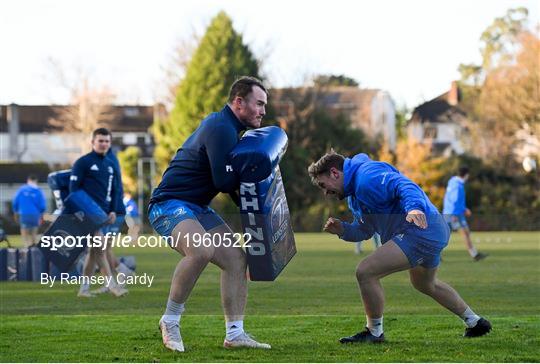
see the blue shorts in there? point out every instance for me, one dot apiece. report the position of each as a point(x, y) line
point(424, 246)
point(115, 228)
point(29, 224)
point(456, 222)
point(29, 221)
point(165, 215)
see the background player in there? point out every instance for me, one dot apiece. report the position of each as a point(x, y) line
point(28, 208)
point(455, 210)
point(97, 175)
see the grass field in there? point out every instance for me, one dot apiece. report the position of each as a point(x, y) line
point(302, 314)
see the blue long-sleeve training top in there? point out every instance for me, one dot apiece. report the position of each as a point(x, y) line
point(98, 176)
point(454, 197)
point(201, 169)
point(29, 201)
point(379, 197)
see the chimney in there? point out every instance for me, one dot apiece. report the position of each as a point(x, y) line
point(159, 112)
point(453, 94)
point(13, 128)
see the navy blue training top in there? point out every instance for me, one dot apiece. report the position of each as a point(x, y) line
point(201, 169)
point(98, 176)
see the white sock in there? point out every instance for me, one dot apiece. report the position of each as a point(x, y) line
point(173, 312)
point(473, 252)
point(233, 329)
point(375, 326)
point(85, 286)
point(469, 317)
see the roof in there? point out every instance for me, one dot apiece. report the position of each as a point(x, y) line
point(352, 101)
point(18, 172)
point(35, 118)
point(440, 148)
point(438, 110)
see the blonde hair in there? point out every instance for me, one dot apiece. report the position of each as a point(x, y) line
point(323, 165)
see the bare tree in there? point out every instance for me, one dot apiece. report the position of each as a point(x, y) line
point(90, 107)
point(509, 105)
point(174, 71)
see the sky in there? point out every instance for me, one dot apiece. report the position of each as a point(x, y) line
point(410, 48)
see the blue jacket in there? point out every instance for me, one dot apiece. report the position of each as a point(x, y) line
point(201, 167)
point(131, 207)
point(29, 202)
point(98, 175)
point(454, 198)
point(379, 197)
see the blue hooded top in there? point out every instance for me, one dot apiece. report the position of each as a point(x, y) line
point(379, 197)
point(29, 202)
point(454, 198)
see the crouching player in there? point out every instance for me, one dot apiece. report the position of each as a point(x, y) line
point(179, 209)
point(413, 233)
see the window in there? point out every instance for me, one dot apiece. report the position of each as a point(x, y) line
point(129, 138)
point(131, 112)
point(430, 132)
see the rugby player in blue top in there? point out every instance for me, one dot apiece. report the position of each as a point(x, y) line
point(98, 176)
point(455, 211)
point(179, 209)
point(413, 233)
point(114, 228)
point(28, 207)
point(133, 218)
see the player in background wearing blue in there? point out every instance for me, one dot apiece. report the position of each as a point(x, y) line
point(115, 228)
point(98, 176)
point(455, 210)
point(413, 233)
point(179, 209)
point(28, 208)
point(133, 218)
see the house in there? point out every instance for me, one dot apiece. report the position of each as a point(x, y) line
point(28, 136)
point(31, 144)
point(441, 123)
point(371, 110)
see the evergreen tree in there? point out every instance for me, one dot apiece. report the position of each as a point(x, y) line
point(220, 58)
